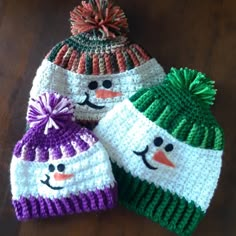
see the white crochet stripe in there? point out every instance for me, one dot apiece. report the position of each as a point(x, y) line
point(197, 170)
point(52, 78)
point(91, 170)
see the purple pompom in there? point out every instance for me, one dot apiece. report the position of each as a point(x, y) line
point(50, 110)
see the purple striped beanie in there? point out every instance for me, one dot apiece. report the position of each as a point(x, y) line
point(58, 167)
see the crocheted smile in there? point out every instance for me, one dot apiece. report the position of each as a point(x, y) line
point(100, 93)
point(57, 176)
point(159, 156)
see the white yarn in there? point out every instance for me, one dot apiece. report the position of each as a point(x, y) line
point(52, 78)
point(196, 171)
point(91, 170)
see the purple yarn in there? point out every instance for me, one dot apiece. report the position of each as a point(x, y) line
point(50, 110)
point(82, 138)
point(53, 133)
point(99, 200)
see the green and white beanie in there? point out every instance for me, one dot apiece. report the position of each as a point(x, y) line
point(166, 149)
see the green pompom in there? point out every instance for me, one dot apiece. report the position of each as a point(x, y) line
point(197, 83)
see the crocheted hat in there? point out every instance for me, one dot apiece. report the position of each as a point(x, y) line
point(166, 149)
point(59, 168)
point(97, 66)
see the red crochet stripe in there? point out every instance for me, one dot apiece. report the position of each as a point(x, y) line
point(71, 61)
point(121, 61)
point(60, 55)
point(133, 57)
point(95, 65)
point(142, 52)
point(81, 67)
point(108, 63)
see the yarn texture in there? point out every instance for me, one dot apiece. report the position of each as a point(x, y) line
point(101, 15)
point(166, 150)
point(59, 167)
point(98, 66)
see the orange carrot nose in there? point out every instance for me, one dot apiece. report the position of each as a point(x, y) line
point(160, 157)
point(61, 177)
point(103, 94)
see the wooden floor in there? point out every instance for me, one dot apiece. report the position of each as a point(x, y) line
point(197, 34)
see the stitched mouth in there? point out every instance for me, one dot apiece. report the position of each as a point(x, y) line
point(46, 182)
point(143, 155)
point(90, 104)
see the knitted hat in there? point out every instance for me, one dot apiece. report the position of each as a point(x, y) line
point(59, 168)
point(166, 149)
point(97, 66)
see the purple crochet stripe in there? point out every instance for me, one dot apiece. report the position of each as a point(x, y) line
point(34, 139)
point(33, 208)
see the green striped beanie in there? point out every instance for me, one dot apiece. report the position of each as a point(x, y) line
point(166, 149)
point(97, 66)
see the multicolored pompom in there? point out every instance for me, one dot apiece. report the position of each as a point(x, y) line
point(100, 15)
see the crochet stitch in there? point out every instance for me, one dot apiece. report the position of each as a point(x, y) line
point(97, 66)
point(58, 167)
point(166, 150)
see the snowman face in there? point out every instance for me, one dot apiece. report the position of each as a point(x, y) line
point(94, 95)
point(100, 92)
point(160, 156)
point(57, 174)
point(148, 152)
point(87, 171)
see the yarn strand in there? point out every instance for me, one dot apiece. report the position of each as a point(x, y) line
point(101, 15)
point(51, 111)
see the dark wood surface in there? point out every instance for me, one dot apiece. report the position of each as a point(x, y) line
point(198, 34)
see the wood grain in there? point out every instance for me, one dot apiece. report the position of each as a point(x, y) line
point(198, 34)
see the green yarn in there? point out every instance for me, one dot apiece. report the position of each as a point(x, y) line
point(114, 64)
point(55, 51)
point(138, 94)
point(83, 43)
point(197, 83)
point(175, 106)
point(88, 65)
point(146, 101)
point(163, 207)
point(128, 60)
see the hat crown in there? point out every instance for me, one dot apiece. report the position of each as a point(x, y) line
point(88, 43)
point(53, 134)
point(182, 110)
point(58, 143)
point(99, 43)
point(197, 83)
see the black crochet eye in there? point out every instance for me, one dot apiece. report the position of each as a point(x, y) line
point(169, 147)
point(93, 85)
point(61, 167)
point(158, 141)
point(107, 84)
point(51, 167)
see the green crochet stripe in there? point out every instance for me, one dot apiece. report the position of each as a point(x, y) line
point(128, 61)
point(169, 210)
point(176, 111)
point(55, 51)
point(82, 43)
point(88, 65)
